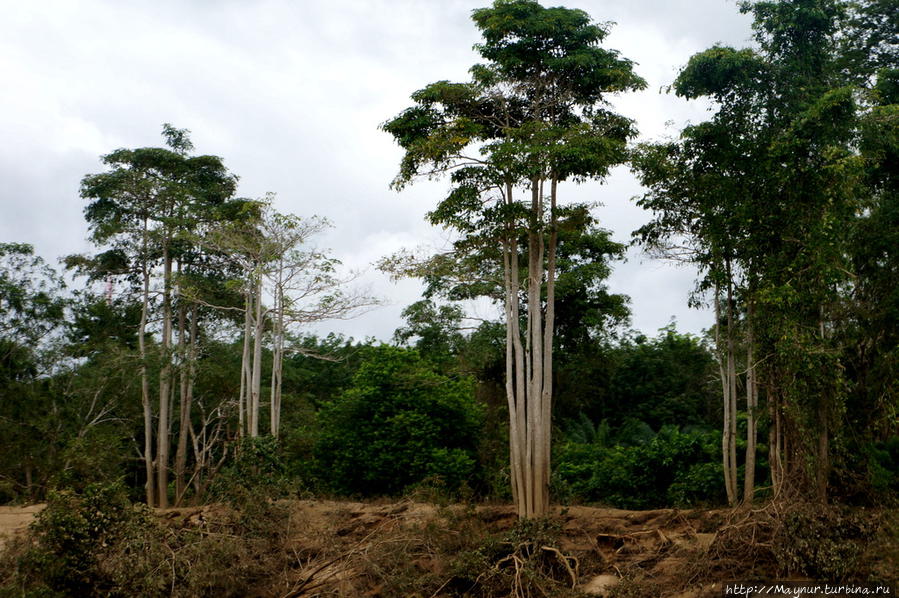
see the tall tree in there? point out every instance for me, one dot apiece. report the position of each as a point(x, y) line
point(31, 313)
point(140, 210)
point(304, 286)
point(278, 264)
point(699, 187)
point(765, 193)
point(532, 116)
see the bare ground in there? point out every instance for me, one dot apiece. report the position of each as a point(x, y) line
point(341, 548)
point(607, 545)
point(14, 520)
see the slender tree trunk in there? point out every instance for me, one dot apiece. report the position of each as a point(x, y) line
point(786, 445)
point(29, 480)
point(256, 380)
point(187, 391)
point(775, 448)
point(514, 448)
point(277, 360)
point(548, 333)
point(515, 370)
point(732, 381)
point(535, 354)
point(245, 372)
point(144, 378)
point(199, 462)
point(751, 408)
point(724, 371)
point(823, 470)
point(178, 469)
point(165, 375)
point(823, 458)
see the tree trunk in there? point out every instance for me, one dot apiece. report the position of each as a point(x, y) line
point(823, 471)
point(529, 367)
point(751, 407)
point(515, 368)
point(144, 378)
point(775, 450)
point(548, 334)
point(256, 380)
point(245, 371)
point(277, 360)
point(187, 389)
point(732, 381)
point(165, 374)
point(535, 356)
point(514, 448)
point(823, 458)
point(178, 469)
point(724, 372)
point(29, 478)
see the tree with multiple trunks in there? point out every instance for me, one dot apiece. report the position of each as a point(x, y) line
point(275, 261)
point(700, 187)
point(142, 211)
point(533, 116)
point(764, 197)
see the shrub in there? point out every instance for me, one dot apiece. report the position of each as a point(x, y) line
point(71, 537)
point(822, 542)
point(399, 423)
point(673, 468)
point(255, 471)
point(98, 544)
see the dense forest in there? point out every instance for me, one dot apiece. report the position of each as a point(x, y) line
point(173, 365)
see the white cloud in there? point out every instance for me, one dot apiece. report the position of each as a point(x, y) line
point(291, 95)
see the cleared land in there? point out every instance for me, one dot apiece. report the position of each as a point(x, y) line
point(317, 548)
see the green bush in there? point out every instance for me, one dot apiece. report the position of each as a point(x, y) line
point(673, 468)
point(98, 544)
point(883, 465)
point(400, 423)
point(92, 459)
point(255, 470)
point(71, 539)
point(822, 542)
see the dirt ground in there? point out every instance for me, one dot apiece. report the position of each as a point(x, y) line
point(342, 548)
point(609, 544)
point(16, 519)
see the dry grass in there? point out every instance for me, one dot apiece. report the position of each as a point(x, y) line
point(317, 549)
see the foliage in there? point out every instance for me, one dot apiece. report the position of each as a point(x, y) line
point(31, 311)
point(822, 543)
point(399, 423)
point(665, 380)
point(668, 379)
point(255, 473)
point(673, 467)
point(97, 543)
point(60, 388)
point(884, 467)
point(435, 330)
point(71, 538)
point(31, 304)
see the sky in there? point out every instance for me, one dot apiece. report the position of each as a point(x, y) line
point(291, 93)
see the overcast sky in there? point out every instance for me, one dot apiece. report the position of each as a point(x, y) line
point(290, 94)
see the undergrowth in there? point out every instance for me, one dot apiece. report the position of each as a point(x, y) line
point(96, 543)
point(783, 540)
